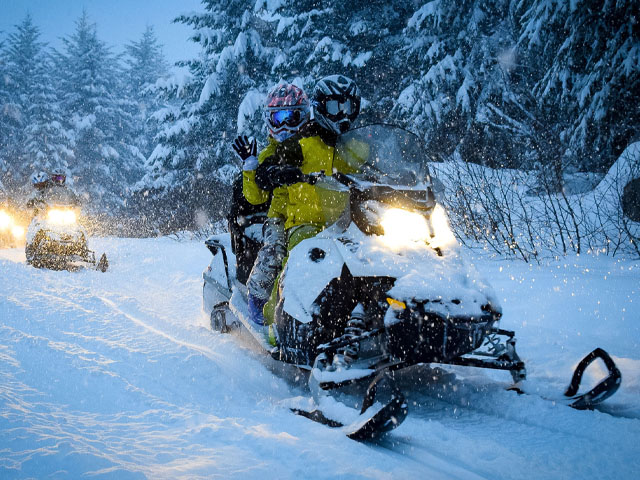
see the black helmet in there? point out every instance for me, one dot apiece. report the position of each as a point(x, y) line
point(336, 103)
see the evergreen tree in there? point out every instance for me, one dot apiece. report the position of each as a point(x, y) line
point(225, 87)
point(145, 65)
point(99, 116)
point(145, 62)
point(585, 63)
point(7, 126)
point(39, 142)
point(461, 93)
point(356, 39)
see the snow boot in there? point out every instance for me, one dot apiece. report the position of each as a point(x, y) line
point(256, 305)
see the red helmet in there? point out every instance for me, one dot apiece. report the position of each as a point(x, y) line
point(286, 110)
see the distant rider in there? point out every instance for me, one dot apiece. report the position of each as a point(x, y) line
point(40, 183)
point(60, 192)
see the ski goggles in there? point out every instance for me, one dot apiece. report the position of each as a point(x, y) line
point(290, 118)
point(58, 178)
point(339, 108)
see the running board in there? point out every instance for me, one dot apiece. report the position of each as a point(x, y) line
point(238, 307)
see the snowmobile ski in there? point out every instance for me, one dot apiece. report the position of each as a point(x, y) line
point(375, 418)
point(595, 396)
point(600, 392)
point(103, 264)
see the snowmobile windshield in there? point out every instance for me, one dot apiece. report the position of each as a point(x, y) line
point(384, 155)
point(61, 196)
point(380, 162)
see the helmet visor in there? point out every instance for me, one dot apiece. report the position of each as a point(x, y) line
point(335, 107)
point(58, 178)
point(290, 118)
point(338, 108)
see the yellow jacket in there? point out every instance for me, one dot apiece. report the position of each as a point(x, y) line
point(303, 204)
point(254, 194)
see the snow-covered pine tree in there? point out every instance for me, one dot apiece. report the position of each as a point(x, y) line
point(193, 163)
point(8, 122)
point(98, 115)
point(460, 92)
point(39, 142)
point(46, 142)
point(145, 65)
point(356, 39)
point(584, 57)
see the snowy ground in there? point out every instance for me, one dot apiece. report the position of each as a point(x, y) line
point(116, 375)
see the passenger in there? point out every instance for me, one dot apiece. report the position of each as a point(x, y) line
point(59, 192)
point(286, 111)
point(242, 216)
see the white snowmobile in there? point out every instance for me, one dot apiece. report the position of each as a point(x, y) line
point(56, 240)
point(382, 288)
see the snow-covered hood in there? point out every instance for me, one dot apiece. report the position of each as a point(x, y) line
point(420, 273)
point(55, 231)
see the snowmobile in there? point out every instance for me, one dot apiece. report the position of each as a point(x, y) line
point(382, 288)
point(56, 240)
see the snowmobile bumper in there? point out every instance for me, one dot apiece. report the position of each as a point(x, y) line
point(65, 253)
point(422, 336)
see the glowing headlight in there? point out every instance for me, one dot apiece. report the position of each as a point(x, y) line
point(17, 231)
point(5, 220)
point(61, 217)
point(442, 234)
point(402, 227)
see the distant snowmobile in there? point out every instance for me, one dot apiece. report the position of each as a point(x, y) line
point(382, 288)
point(57, 241)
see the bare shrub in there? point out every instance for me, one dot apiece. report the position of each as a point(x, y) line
point(529, 214)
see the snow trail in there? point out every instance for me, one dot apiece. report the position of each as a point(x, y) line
point(117, 375)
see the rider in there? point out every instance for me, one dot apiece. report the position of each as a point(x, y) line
point(60, 192)
point(286, 111)
point(41, 183)
point(336, 104)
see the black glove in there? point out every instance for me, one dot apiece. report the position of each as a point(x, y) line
point(274, 176)
point(313, 178)
point(244, 148)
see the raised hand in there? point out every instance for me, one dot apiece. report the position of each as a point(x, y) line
point(247, 151)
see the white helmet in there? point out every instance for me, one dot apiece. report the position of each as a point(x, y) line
point(39, 180)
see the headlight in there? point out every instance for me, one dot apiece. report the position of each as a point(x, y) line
point(442, 234)
point(61, 217)
point(402, 227)
point(5, 220)
point(17, 231)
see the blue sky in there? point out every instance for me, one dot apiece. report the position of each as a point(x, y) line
point(118, 21)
